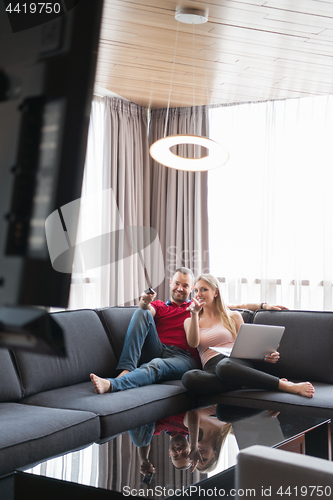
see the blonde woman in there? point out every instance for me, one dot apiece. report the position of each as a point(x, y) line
point(212, 324)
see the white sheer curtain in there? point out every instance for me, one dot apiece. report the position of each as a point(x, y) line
point(270, 207)
point(85, 289)
point(114, 208)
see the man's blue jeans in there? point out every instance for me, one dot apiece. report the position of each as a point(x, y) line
point(142, 436)
point(142, 345)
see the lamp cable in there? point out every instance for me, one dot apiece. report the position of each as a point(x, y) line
point(172, 71)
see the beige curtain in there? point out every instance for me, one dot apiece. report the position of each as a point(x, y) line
point(178, 198)
point(128, 177)
point(125, 194)
point(118, 465)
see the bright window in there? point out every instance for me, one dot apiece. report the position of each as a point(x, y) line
point(270, 206)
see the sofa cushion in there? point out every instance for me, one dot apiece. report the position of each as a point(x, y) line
point(246, 314)
point(306, 346)
point(10, 389)
point(119, 411)
point(88, 350)
point(30, 434)
point(116, 321)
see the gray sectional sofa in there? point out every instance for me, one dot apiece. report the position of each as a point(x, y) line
point(48, 405)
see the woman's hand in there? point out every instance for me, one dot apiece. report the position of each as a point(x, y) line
point(196, 458)
point(196, 306)
point(191, 325)
point(272, 414)
point(273, 357)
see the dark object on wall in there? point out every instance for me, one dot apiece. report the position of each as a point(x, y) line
point(46, 84)
point(32, 329)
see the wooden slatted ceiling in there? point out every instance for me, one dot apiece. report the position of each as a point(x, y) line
point(249, 50)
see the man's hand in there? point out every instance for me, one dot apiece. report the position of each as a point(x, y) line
point(147, 468)
point(255, 307)
point(146, 299)
point(274, 307)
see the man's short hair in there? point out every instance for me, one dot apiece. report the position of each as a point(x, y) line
point(184, 270)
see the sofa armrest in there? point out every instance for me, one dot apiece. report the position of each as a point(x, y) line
point(282, 474)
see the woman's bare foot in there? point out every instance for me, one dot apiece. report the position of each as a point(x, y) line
point(305, 389)
point(102, 385)
point(124, 372)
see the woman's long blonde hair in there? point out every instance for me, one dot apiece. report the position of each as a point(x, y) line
point(217, 444)
point(223, 310)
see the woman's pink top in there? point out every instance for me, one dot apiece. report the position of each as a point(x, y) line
point(216, 336)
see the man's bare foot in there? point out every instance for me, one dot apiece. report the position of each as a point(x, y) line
point(102, 385)
point(124, 372)
point(305, 389)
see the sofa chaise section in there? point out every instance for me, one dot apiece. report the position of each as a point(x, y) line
point(31, 434)
point(306, 355)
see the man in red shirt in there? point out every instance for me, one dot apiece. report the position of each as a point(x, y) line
point(179, 447)
point(155, 347)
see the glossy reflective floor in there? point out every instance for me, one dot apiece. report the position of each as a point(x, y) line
point(221, 430)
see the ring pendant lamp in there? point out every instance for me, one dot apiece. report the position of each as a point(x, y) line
point(160, 150)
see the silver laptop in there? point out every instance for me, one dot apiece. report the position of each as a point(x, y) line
point(254, 341)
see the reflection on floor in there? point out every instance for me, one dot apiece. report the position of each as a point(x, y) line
point(115, 466)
